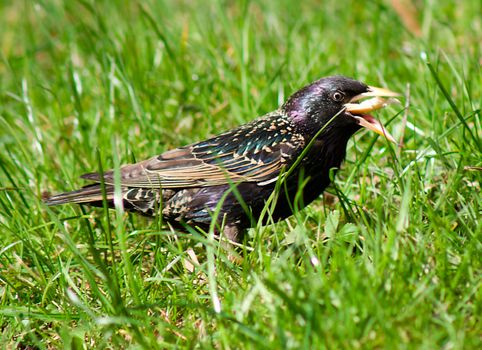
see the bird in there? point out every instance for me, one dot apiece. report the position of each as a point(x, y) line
point(227, 179)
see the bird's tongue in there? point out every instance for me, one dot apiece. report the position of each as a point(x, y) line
point(369, 118)
point(369, 122)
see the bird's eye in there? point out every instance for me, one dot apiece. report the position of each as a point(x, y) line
point(338, 96)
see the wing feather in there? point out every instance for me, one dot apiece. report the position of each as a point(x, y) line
point(254, 152)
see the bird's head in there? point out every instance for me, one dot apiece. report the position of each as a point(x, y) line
point(314, 106)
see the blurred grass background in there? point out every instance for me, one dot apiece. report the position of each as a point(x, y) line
point(389, 258)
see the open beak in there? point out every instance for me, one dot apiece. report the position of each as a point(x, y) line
point(380, 98)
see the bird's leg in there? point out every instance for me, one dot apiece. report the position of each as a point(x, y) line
point(233, 233)
point(230, 240)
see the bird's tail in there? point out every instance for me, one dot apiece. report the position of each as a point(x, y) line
point(90, 194)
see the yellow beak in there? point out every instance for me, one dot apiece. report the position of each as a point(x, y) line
point(380, 98)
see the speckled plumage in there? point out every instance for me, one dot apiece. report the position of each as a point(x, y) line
point(186, 184)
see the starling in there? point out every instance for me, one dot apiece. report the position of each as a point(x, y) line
point(237, 171)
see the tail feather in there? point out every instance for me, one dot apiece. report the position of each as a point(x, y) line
point(141, 200)
point(89, 194)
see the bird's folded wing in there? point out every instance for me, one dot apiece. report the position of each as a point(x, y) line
point(245, 154)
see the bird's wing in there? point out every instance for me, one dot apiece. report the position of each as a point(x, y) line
point(254, 152)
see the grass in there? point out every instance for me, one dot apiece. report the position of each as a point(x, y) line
point(389, 258)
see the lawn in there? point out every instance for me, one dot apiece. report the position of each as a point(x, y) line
point(389, 257)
